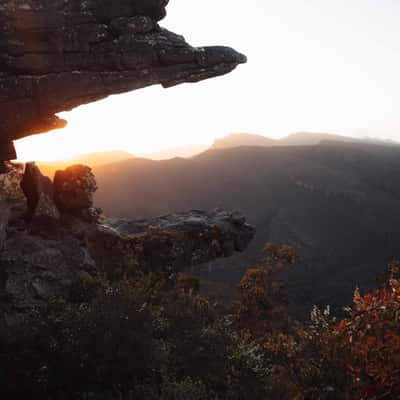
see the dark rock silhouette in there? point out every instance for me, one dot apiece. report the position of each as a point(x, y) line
point(41, 258)
point(10, 182)
point(188, 238)
point(57, 55)
point(73, 192)
point(38, 190)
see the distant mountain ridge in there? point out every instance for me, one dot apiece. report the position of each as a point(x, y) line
point(313, 138)
point(98, 159)
point(243, 139)
point(91, 159)
point(294, 139)
point(182, 151)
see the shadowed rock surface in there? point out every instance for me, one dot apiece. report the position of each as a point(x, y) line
point(42, 258)
point(73, 192)
point(40, 262)
point(10, 180)
point(38, 190)
point(56, 55)
point(181, 240)
point(231, 225)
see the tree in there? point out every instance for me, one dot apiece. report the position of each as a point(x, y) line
point(370, 339)
point(262, 295)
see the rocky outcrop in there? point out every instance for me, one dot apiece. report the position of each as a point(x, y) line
point(70, 194)
point(172, 243)
point(73, 192)
point(10, 179)
point(56, 55)
point(36, 268)
point(38, 190)
point(41, 260)
point(12, 198)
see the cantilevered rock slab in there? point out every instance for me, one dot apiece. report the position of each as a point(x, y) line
point(58, 54)
point(179, 241)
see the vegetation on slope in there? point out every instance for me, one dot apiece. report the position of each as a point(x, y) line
point(154, 337)
point(339, 202)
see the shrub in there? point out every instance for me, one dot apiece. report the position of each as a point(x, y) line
point(370, 340)
point(263, 300)
point(131, 340)
point(102, 347)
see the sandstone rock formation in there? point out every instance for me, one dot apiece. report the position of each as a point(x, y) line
point(38, 190)
point(38, 263)
point(58, 54)
point(10, 179)
point(41, 260)
point(73, 192)
point(177, 241)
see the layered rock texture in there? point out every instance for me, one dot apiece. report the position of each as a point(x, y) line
point(58, 54)
point(73, 192)
point(38, 190)
point(43, 256)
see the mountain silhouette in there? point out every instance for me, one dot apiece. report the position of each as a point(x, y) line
point(181, 151)
point(243, 139)
point(91, 159)
point(294, 139)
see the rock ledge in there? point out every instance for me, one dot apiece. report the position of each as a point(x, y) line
point(56, 55)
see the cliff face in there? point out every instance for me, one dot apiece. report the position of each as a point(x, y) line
point(58, 54)
point(55, 236)
point(52, 238)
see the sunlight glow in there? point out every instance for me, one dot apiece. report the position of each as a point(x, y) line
point(313, 66)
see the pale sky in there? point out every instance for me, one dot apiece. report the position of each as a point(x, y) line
point(314, 65)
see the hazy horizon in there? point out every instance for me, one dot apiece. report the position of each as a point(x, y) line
point(315, 66)
point(193, 149)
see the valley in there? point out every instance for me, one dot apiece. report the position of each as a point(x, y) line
point(337, 202)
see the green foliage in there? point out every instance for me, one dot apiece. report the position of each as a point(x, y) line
point(84, 287)
point(305, 362)
point(101, 347)
point(130, 339)
point(262, 295)
point(188, 283)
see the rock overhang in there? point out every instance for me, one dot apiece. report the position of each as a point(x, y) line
point(58, 54)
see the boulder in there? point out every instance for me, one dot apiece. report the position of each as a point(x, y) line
point(38, 190)
point(73, 192)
